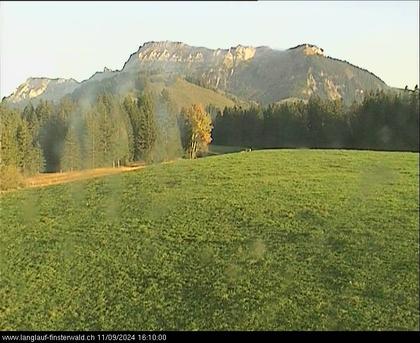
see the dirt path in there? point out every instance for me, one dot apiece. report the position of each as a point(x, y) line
point(47, 179)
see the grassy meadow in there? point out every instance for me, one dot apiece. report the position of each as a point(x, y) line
point(184, 94)
point(261, 240)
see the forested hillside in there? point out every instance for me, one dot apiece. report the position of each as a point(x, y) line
point(150, 127)
point(383, 121)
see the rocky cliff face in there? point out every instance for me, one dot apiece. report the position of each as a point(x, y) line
point(309, 49)
point(42, 87)
point(210, 67)
point(178, 52)
point(257, 74)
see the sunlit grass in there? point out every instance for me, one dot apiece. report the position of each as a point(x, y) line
point(273, 240)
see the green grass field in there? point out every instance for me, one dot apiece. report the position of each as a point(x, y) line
point(220, 149)
point(267, 240)
point(184, 94)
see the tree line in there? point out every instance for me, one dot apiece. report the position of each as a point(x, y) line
point(113, 131)
point(144, 126)
point(67, 137)
point(382, 121)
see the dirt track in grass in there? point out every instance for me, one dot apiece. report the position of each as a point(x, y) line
point(47, 179)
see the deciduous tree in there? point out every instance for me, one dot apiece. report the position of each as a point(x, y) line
point(195, 130)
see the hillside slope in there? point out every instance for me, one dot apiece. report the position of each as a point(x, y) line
point(184, 94)
point(267, 240)
point(299, 73)
point(258, 74)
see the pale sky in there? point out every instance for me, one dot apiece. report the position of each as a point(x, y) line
point(76, 39)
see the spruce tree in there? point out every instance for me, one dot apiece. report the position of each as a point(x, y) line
point(72, 157)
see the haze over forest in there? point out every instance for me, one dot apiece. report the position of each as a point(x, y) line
point(384, 39)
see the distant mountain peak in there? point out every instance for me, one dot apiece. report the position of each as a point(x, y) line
point(309, 49)
point(179, 52)
point(260, 74)
point(161, 44)
point(35, 86)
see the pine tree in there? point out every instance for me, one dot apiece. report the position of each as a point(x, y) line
point(147, 127)
point(9, 148)
point(90, 140)
point(127, 110)
point(72, 157)
point(30, 161)
point(133, 111)
point(121, 135)
point(141, 113)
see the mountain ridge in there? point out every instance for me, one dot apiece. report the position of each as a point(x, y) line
point(260, 74)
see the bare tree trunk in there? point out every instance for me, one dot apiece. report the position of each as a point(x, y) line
point(193, 146)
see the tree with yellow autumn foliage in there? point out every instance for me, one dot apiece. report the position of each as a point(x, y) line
point(195, 125)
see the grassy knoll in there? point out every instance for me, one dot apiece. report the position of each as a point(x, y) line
point(184, 94)
point(275, 240)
